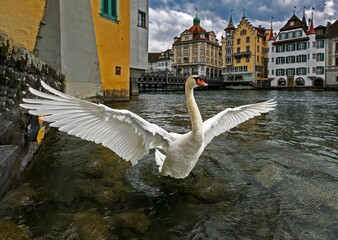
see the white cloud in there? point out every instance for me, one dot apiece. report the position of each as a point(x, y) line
point(169, 18)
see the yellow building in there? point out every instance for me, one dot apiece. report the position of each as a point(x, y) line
point(244, 54)
point(87, 41)
point(112, 23)
point(21, 21)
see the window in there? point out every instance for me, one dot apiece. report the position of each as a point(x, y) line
point(301, 71)
point(292, 23)
point(301, 58)
point(272, 59)
point(336, 61)
point(257, 48)
point(272, 72)
point(301, 46)
point(320, 43)
point(272, 49)
point(280, 60)
point(238, 50)
point(141, 19)
point(280, 48)
point(320, 70)
point(290, 47)
point(238, 41)
point(290, 71)
point(248, 48)
point(109, 9)
point(243, 32)
point(290, 59)
point(336, 48)
point(279, 72)
point(320, 57)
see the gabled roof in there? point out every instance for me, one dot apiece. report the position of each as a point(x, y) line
point(293, 23)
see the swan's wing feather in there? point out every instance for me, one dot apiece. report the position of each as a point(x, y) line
point(232, 117)
point(124, 132)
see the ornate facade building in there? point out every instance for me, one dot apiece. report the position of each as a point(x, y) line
point(332, 54)
point(197, 51)
point(244, 54)
point(296, 55)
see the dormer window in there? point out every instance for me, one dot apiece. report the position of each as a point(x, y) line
point(186, 38)
point(202, 36)
point(292, 23)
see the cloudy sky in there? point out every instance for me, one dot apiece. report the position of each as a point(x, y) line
point(168, 18)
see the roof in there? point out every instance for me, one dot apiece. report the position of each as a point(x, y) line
point(332, 29)
point(153, 57)
point(297, 23)
point(230, 26)
point(199, 33)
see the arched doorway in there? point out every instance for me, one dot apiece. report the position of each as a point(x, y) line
point(281, 82)
point(300, 81)
point(318, 82)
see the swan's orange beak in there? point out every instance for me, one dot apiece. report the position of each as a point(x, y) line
point(200, 82)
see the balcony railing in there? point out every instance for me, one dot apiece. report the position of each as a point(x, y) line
point(242, 54)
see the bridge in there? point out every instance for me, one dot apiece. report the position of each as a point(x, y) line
point(163, 81)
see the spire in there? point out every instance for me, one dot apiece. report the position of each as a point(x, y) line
point(294, 10)
point(271, 32)
point(304, 18)
point(231, 25)
point(196, 19)
point(312, 29)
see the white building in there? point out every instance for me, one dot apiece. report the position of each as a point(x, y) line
point(296, 57)
point(332, 54)
point(165, 60)
point(139, 32)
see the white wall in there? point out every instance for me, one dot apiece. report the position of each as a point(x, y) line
point(139, 35)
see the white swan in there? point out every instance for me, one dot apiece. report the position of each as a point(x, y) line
point(131, 137)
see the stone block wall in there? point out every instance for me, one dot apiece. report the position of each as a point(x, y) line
point(19, 69)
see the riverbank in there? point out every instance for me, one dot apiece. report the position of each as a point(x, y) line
point(19, 69)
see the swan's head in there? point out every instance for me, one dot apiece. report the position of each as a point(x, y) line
point(195, 81)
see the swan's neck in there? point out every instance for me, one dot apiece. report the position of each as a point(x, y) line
point(195, 115)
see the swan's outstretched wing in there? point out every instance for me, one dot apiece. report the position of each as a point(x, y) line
point(124, 132)
point(231, 117)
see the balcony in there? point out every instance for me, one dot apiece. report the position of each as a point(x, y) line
point(242, 54)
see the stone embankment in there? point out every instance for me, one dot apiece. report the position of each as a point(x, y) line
point(19, 69)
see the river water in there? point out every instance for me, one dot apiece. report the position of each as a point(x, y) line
point(273, 177)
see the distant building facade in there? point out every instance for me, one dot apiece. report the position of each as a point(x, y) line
point(244, 54)
point(331, 38)
point(297, 55)
point(165, 61)
point(153, 59)
point(197, 51)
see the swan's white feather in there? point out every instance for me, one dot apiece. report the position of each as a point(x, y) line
point(231, 117)
point(130, 136)
point(125, 133)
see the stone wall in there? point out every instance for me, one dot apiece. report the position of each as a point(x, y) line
point(19, 69)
